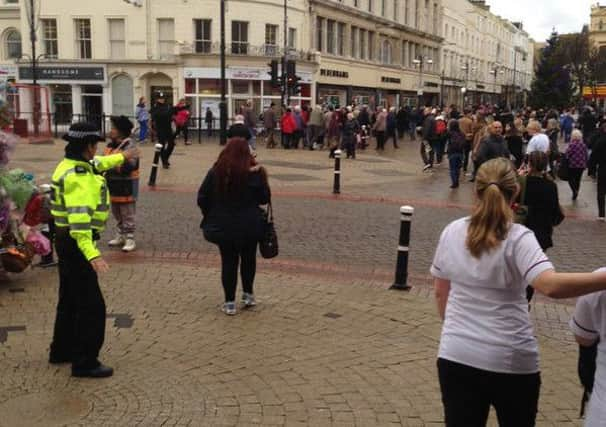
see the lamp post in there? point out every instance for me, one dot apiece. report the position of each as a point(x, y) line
point(465, 92)
point(223, 104)
point(498, 69)
point(421, 61)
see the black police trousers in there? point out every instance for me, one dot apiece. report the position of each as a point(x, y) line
point(80, 322)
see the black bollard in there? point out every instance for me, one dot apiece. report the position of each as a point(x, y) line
point(336, 188)
point(402, 265)
point(154, 170)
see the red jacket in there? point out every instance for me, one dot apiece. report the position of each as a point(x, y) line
point(288, 124)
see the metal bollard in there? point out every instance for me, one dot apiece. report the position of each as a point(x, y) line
point(154, 171)
point(402, 265)
point(336, 188)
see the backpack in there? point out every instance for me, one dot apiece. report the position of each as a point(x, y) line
point(586, 370)
point(440, 127)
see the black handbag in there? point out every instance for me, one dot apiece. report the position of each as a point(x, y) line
point(268, 244)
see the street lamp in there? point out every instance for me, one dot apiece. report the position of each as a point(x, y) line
point(421, 61)
point(498, 69)
point(223, 104)
point(466, 68)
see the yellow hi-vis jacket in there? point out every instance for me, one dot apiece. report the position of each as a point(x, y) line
point(80, 199)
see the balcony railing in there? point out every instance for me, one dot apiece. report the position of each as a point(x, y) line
point(245, 49)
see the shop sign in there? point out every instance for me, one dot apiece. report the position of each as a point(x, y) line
point(480, 86)
point(247, 74)
point(334, 73)
point(393, 80)
point(8, 70)
point(47, 73)
point(431, 84)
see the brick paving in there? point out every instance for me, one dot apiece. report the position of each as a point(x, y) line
point(328, 345)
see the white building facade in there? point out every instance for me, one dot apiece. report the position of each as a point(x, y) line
point(485, 57)
point(98, 58)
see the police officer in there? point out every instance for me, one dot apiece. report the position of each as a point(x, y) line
point(162, 117)
point(80, 207)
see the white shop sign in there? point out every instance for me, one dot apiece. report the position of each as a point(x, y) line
point(238, 74)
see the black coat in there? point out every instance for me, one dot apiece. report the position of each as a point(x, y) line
point(233, 218)
point(492, 148)
point(544, 210)
point(162, 116)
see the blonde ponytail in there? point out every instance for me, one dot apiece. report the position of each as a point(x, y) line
point(496, 187)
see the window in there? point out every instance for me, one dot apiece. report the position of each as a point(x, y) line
point(406, 11)
point(203, 42)
point(271, 40)
point(426, 17)
point(436, 17)
point(371, 46)
point(166, 37)
point(395, 10)
point(354, 42)
point(330, 36)
point(292, 38)
point(117, 45)
point(83, 39)
point(341, 39)
point(49, 38)
point(386, 52)
point(363, 44)
point(239, 37)
point(320, 34)
point(370, 5)
point(383, 7)
point(13, 45)
point(356, 3)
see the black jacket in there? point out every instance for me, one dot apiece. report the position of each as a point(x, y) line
point(492, 148)
point(597, 160)
point(233, 217)
point(162, 116)
point(544, 210)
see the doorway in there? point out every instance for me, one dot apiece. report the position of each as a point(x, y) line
point(166, 90)
point(92, 104)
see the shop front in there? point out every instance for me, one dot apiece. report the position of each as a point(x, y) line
point(77, 92)
point(203, 90)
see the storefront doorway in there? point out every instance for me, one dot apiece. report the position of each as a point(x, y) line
point(92, 104)
point(167, 91)
point(62, 103)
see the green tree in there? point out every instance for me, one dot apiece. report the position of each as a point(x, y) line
point(552, 85)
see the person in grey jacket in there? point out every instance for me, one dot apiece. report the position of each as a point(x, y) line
point(142, 118)
point(316, 127)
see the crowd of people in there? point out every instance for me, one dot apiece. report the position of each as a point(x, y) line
point(486, 268)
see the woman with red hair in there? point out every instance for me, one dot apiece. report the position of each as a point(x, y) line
point(230, 198)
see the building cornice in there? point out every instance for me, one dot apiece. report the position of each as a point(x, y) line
point(383, 22)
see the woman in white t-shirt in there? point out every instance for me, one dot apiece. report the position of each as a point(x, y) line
point(589, 326)
point(488, 353)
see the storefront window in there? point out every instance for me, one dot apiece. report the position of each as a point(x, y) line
point(256, 88)
point(240, 86)
point(305, 91)
point(269, 90)
point(190, 85)
point(209, 86)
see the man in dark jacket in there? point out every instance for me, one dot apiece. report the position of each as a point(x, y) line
point(162, 116)
point(402, 122)
point(429, 136)
point(494, 146)
point(597, 168)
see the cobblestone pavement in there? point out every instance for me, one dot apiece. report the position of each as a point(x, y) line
point(328, 344)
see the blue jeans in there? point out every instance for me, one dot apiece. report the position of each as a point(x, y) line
point(456, 161)
point(142, 130)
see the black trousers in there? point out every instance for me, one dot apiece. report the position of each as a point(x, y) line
point(601, 193)
point(574, 180)
point(468, 393)
point(168, 146)
point(380, 135)
point(209, 129)
point(232, 254)
point(182, 130)
point(80, 323)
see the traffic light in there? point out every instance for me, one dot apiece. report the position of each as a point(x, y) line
point(291, 69)
point(295, 86)
point(273, 73)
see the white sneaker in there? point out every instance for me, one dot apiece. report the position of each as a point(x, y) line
point(229, 308)
point(119, 240)
point(248, 300)
point(129, 245)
